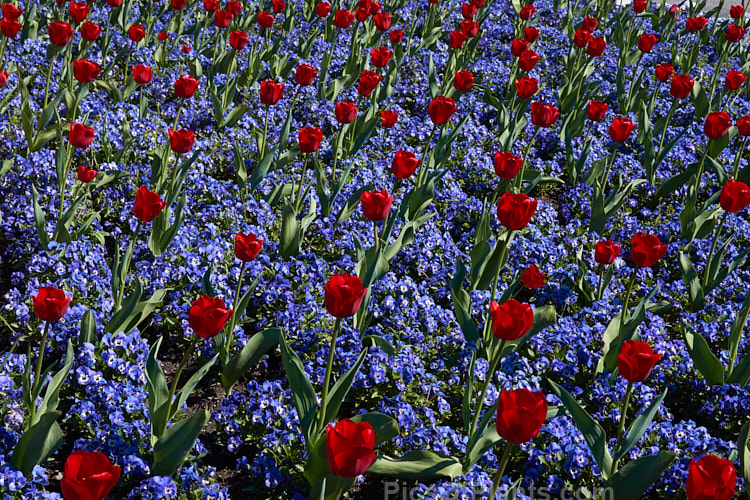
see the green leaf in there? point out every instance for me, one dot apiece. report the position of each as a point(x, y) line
point(372, 267)
point(88, 328)
point(417, 465)
point(128, 307)
point(38, 443)
point(190, 385)
point(352, 203)
point(158, 393)
point(743, 449)
point(705, 361)
point(305, 399)
point(590, 428)
point(39, 220)
point(255, 348)
point(385, 427)
point(173, 447)
point(261, 169)
point(377, 340)
point(207, 288)
point(462, 304)
point(636, 477)
point(735, 334)
point(692, 282)
point(290, 237)
point(341, 388)
point(639, 426)
point(52, 394)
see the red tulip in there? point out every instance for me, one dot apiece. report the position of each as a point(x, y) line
point(717, 125)
point(396, 36)
point(361, 14)
point(734, 80)
point(60, 33)
point(344, 295)
point(114, 3)
point(247, 246)
point(322, 9)
point(343, 18)
point(88, 476)
point(527, 11)
point(10, 11)
point(404, 164)
point(530, 34)
point(234, 7)
point(457, 39)
point(80, 135)
point(3, 78)
point(543, 115)
point(381, 56)
point(533, 278)
point(589, 23)
point(682, 86)
point(223, 18)
point(735, 196)
point(78, 11)
point(85, 174)
point(367, 83)
point(346, 112)
point(309, 139)
point(382, 21)
point(711, 478)
point(141, 74)
point(185, 86)
point(305, 75)
point(646, 250)
point(621, 128)
point(162, 36)
point(50, 303)
point(376, 204)
point(90, 31)
point(515, 210)
point(388, 118)
point(350, 447)
point(743, 126)
point(507, 165)
point(278, 6)
point(208, 315)
point(664, 72)
point(85, 71)
point(210, 5)
point(470, 28)
point(736, 11)
point(181, 141)
point(11, 27)
point(527, 60)
point(147, 204)
point(605, 252)
point(441, 109)
point(178, 4)
point(520, 415)
point(639, 6)
point(468, 11)
point(695, 23)
point(463, 81)
point(596, 110)
point(265, 20)
point(581, 38)
point(271, 92)
point(238, 39)
point(646, 42)
point(596, 46)
point(136, 33)
point(636, 360)
point(511, 320)
point(735, 33)
point(526, 87)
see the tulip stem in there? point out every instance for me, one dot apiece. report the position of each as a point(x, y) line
point(177, 116)
point(713, 248)
point(632, 85)
point(230, 331)
point(525, 159)
point(298, 203)
point(124, 276)
point(262, 150)
point(64, 182)
point(329, 369)
point(610, 163)
point(509, 448)
point(375, 233)
point(621, 426)
point(626, 299)
point(423, 166)
point(176, 378)
point(336, 139)
point(600, 288)
point(38, 371)
point(46, 87)
point(671, 111)
point(485, 385)
point(737, 158)
point(722, 60)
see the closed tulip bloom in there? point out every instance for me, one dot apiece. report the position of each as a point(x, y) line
point(468, 11)
point(185, 87)
point(162, 36)
point(181, 141)
point(527, 87)
point(10, 11)
point(177, 4)
point(507, 165)
point(147, 204)
point(342, 18)
point(114, 3)
point(50, 303)
point(265, 20)
point(367, 83)
point(210, 5)
point(208, 315)
point(543, 115)
point(456, 39)
point(716, 125)
point(514, 211)
point(596, 110)
point(596, 46)
point(88, 476)
point(238, 39)
point(470, 28)
point(271, 92)
point(388, 118)
point(376, 204)
point(247, 246)
point(734, 80)
point(530, 34)
point(60, 33)
point(743, 126)
point(404, 164)
point(85, 71)
point(463, 81)
point(605, 252)
point(735, 196)
point(90, 31)
point(380, 57)
point(621, 128)
point(344, 295)
point(736, 11)
point(511, 320)
point(223, 18)
point(646, 42)
point(518, 47)
point(735, 33)
point(711, 478)
point(664, 72)
point(589, 23)
point(581, 38)
point(382, 21)
point(350, 447)
point(11, 27)
point(396, 36)
point(646, 249)
point(85, 174)
point(695, 23)
point(527, 11)
point(80, 135)
point(346, 112)
point(309, 139)
point(78, 11)
point(533, 278)
point(136, 33)
point(682, 86)
point(234, 7)
point(639, 6)
point(361, 14)
point(322, 9)
point(141, 74)
point(528, 60)
point(636, 360)
point(3, 78)
point(520, 415)
point(441, 110)
point(305, 75)
point(278, 6)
